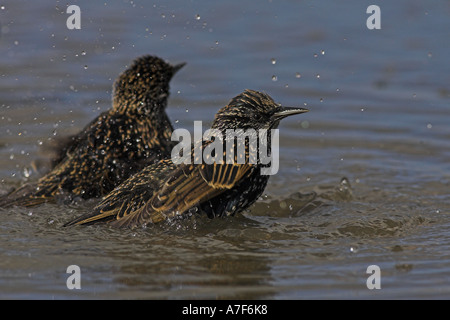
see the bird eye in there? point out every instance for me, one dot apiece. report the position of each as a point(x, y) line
point(258, 117)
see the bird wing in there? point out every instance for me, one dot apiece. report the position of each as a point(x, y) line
point(66, 145)
point(186, 187)
point(21, 197)
point(129, 196)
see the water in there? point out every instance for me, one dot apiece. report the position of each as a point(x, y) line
point(379, 112)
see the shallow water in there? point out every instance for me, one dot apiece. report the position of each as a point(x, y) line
point(379, 116)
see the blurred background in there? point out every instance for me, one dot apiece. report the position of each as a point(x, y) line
point(379, 116)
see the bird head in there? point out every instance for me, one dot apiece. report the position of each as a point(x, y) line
point(144, 85)
point(252, 110)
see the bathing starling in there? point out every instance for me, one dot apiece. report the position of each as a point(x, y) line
point(164, 190)
point(118, 143)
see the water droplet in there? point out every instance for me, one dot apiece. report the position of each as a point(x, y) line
point(26, 172)
point(16, 42)
point(321, 100)
point(430, 54)
point(362, 109)
point(274, 78)
point(85, 67)
point(30, 213)
point(353, 249)
point(2, 7)
point(429, 126)
point(315, 55)
point(197, 17)
point(322, 52)
point(414, 95)
point(298, 75)
point(337, 90)
point(273, 60)
point(163, 15)
point(345, 183)
point(318, 76)
point(305, 124)
point(83, 53)
point(187, 110)
point(176, 121)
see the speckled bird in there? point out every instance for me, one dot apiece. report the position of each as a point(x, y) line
point(116, 144)
point(163, 191)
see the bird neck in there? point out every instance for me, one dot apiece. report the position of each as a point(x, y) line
point(152, 112)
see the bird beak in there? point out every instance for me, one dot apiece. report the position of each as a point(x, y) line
point(178, 67)
point(287, 111)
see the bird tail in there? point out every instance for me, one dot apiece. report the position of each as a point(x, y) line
point(23, 197)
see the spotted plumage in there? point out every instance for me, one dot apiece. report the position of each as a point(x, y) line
point(116, 144)
point(163, 190)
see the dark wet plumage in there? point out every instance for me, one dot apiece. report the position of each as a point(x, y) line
point(118, 143)
point(163, 190)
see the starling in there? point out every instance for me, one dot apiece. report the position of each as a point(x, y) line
point(163, 190)
point(116, 144)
